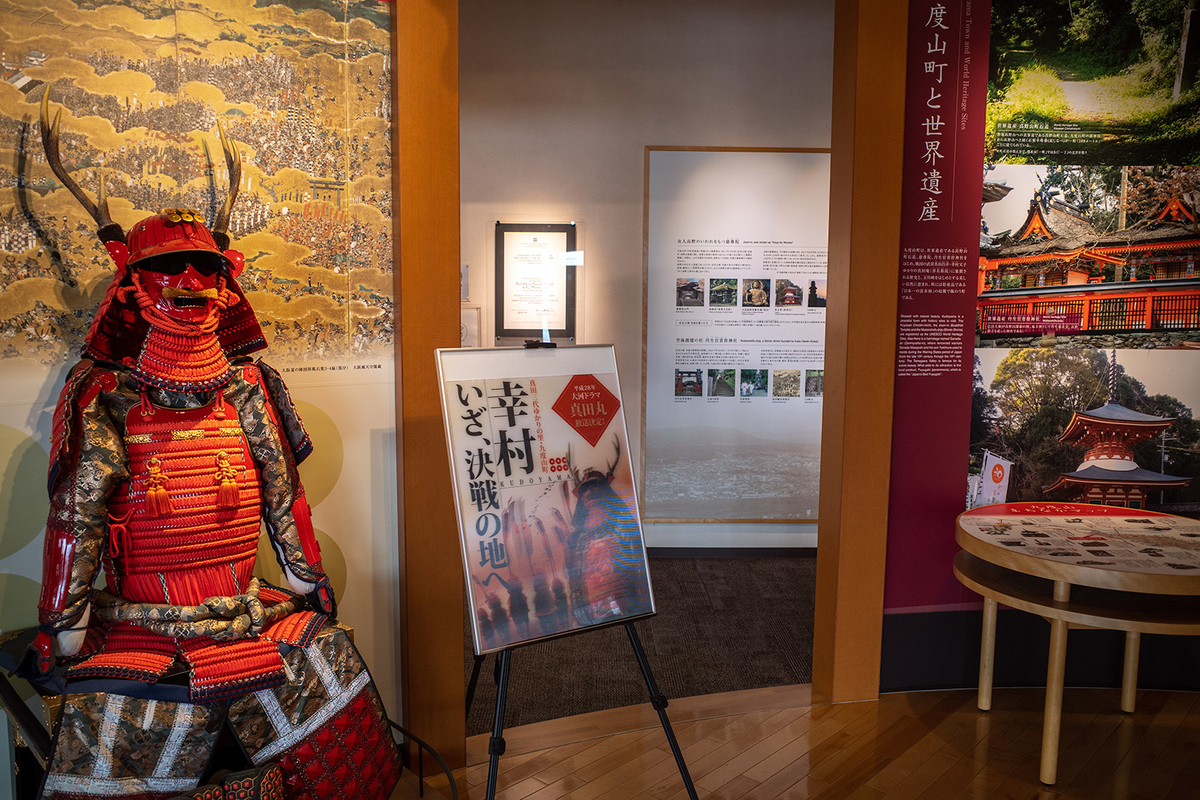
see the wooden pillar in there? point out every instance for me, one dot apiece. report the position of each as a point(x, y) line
point(860, 345)
point(426, 222)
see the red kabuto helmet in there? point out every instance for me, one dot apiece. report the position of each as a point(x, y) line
point(118, 329)
point(176, 230)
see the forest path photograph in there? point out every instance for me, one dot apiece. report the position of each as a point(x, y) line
point(1116, 98)
point(1114, 79)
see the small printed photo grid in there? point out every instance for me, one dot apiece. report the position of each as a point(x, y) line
point(752, 383)
point(746, 383)
point(689, 292)
point(788, 294)
point(721, 382)
point(689, 382)
point(814, 382)
point(816, 293)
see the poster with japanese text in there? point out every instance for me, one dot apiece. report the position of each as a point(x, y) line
point(939, 243)
point(1088, 301)
point(544, 489)
point(1048, 269)
point(737, 253)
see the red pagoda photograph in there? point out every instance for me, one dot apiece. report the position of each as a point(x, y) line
point(1109, 475)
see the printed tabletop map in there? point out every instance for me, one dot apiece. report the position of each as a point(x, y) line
point(1124, 539)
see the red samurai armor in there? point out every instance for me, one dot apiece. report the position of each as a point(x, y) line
point(170, 449)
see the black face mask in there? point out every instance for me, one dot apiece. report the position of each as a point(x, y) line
point(175, 263)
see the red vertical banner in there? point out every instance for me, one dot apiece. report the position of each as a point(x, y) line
point(939, 245)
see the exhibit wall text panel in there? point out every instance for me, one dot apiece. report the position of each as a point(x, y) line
point(535, 266)
point(737, 253)
point(535, 278)
point(143, 90)
point(547, 508)
point(943, 129)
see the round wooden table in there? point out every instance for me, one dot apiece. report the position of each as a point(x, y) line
point(1066, 562)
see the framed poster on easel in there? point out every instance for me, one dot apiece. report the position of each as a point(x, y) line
point(547, 507)
point(548, 513)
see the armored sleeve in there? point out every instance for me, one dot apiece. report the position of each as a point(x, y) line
point(87, 462)
point(285, 409)
point(285, 509)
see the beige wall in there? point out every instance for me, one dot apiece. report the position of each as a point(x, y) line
point(559, 100)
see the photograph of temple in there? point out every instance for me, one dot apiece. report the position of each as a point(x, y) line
point(1079, 265)
point(1109, 475)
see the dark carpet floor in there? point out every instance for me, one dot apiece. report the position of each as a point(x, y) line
point(723, 624)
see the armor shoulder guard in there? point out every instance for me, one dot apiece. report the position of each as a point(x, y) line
point(84, 383)
point(289, 418)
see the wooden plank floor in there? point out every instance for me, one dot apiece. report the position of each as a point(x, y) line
point(772, 743)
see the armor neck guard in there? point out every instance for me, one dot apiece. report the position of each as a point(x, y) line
point(181, 360)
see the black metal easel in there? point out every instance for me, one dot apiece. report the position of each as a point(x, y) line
point(496, 744)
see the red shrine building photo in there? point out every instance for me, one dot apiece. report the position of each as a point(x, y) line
point(1057, 274)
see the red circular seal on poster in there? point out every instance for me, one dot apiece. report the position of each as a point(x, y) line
point(997, 473)
point(587, 407)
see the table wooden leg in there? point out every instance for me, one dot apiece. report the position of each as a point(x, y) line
point(987, 654)
point(1055, 672)
point(1133, 649)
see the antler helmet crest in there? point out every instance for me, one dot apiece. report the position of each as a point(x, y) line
point(118, 330)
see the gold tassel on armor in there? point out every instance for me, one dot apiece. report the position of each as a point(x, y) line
point(228, 493)
point(158, 500)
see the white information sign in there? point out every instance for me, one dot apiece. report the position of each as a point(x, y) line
point(535, 278)
point(736, 262)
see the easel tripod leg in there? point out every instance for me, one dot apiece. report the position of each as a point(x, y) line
point(659, 702)
point(496, 743)
point(473, 682)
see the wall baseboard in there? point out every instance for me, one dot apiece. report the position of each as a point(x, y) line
point(731, 552)
point(940, 650)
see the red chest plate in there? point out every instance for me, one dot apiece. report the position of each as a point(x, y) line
point(185, 526)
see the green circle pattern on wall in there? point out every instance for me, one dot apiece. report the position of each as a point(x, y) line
point(18, 609)
point(332, 559)
point(23, 500)
point(18, 601)
point(321, 471)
